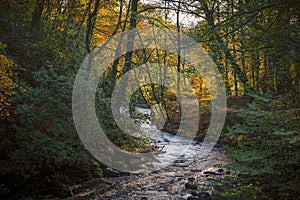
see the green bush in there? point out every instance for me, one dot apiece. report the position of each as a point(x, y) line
point(269, 150)
point(47, 141)
point(111, 129)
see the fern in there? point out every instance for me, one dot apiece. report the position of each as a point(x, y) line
point(269, 151)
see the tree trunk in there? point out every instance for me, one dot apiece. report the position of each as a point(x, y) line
point(242, 76)
point(90, 25)
point(131, 36)
point(37, 14)
point(114, 70)
point(178, 46)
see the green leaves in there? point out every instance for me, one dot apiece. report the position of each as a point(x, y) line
point(269, 150)
point(238, 128)
point(45, 131)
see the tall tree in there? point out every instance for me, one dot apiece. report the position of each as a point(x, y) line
point(131, 35)
point(37, 13)
point(92, 17)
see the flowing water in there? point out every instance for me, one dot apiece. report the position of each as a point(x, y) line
point(187, 166)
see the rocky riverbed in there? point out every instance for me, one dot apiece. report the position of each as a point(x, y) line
point(186, 178)
point(189, 176)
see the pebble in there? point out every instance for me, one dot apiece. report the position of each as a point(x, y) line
point(191, 179)
point(190, 186)
point(192, 198)
point(204, 195)
point(220, 170)
point(195, 170)
point(194, 192)
point(212, 173)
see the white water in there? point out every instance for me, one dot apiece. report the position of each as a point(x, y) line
point(172, 147)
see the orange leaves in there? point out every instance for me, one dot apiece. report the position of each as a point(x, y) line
point(107, 20)
point(7, 84)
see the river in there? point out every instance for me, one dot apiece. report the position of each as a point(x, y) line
point(188, 176)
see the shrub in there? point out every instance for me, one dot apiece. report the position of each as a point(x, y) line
point(268, 149)
point(47, 142)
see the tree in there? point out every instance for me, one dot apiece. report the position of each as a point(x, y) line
point(37, 13)
point(92, 16)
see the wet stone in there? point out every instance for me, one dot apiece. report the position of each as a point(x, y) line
point(192, 198)
point(181, 164)
point(190, 186)
point(194, 193)
point(212, 173)
point(195, 170)
point(204, 195)
point(220, 170)
point(166, 140)
point(191, 179)
point(180, 161)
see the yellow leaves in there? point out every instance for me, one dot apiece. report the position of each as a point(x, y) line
point(4, 61)
point(2, 46)
point(107, 20)
point(7, 84)
point(240, 138)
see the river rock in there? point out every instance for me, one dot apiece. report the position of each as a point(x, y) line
point(192, 198)
point(190, 186)
point(220, 170)
point(194, 192)
point(211, 173)
point(204, 195)
point(181, 164)
point(195, 170)
point(113, 173)
point(167, 140)
point(191, 179)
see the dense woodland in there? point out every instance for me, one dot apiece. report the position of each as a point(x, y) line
point(255, 45)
